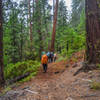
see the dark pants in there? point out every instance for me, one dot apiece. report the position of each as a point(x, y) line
point(49, 59)
point(45, 67)
point(55, 59)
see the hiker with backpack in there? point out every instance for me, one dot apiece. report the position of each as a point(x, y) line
point(51, 56)
point(44, 62)
point(49, 59)
point(55, 57)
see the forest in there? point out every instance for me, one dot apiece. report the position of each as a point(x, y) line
point(30, 27)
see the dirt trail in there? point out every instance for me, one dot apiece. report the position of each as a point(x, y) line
point(59, 83)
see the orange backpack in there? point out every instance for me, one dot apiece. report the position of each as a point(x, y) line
point(44, 59)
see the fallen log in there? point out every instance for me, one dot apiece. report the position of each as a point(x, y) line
point(18, 78)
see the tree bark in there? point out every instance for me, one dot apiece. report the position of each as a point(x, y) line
point(33, 16)
point(14, 43)
point(54, 26)
point(2, 81)
point(93, 31)
point(21, 41)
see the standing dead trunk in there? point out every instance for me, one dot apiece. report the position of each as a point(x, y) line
point(30, 23)
point(2, 81)
point(93, 31)
point(54, 26)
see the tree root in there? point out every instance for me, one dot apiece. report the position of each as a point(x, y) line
point(85, 68)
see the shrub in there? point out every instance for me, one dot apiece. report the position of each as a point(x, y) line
point(95, 85)
point(14, 70)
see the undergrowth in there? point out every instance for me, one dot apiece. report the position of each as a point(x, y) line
point(14, 70)
point(60, 59)
point(95, 85)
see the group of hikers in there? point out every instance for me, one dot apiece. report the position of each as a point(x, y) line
point(46, 58)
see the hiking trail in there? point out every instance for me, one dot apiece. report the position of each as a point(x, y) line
point(58, 83)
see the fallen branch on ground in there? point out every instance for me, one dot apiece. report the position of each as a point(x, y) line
point(31, 91)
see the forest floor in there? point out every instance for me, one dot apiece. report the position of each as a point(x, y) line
point(58, 83)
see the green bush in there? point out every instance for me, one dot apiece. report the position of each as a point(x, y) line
point(14, 70)
point(95, 85)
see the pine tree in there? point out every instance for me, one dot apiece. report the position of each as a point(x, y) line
point(38, 27)
point(30, 22)
point(77, 7)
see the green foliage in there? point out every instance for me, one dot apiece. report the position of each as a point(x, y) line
point(95, 85)
point(14, 70)
point(60, 59)
point(16, 30)
point(5, 90)
point(28, 78)
point(71, 39)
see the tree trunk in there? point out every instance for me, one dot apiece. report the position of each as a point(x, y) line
point(2, 81)
point(67, 46)
point(54, 26)
point(93, 31)
point(38, 19)
point(33, 16)
point(30, 23)
point(21, 41)
point(14, 44)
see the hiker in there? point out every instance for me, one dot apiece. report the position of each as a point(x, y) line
point(51, 56)
point(55, 57)
point(44, 62)
point(42, 53)
point(48, 54)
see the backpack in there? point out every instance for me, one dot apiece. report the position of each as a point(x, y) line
point(44, 59)
point(48, 54)
point(52, 55)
